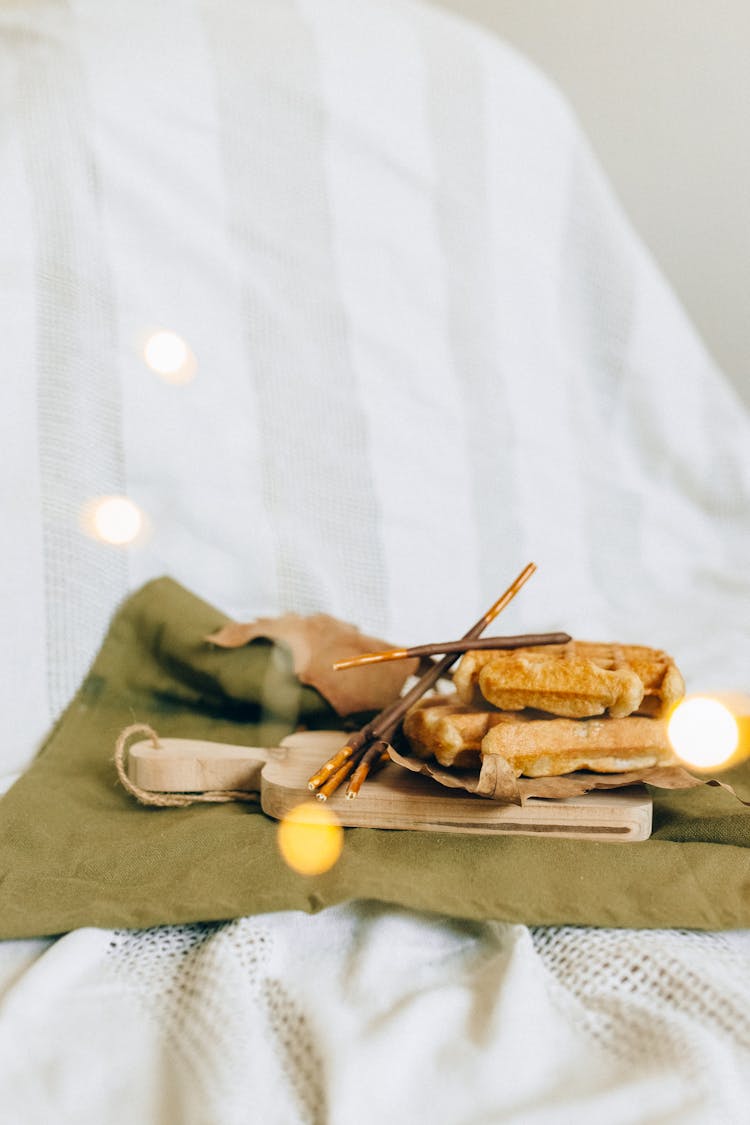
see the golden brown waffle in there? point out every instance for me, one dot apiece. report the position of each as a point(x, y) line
point(575, 680)
point(534, 745)
point(442, 727)
point(552, 747)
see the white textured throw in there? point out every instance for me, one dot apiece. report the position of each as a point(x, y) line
point(428, 349)
point(367, 1014)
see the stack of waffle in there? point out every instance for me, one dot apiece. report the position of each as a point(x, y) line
point(551, 710)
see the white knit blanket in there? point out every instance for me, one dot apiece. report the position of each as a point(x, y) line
point(369, 1014)
point(429, 348)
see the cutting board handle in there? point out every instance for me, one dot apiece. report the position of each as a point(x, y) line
point(193, 765)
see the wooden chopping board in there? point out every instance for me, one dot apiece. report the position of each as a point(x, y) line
point(393, 798)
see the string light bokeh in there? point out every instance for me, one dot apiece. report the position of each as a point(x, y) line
point(703, 732)
point(310, 838)
point(169, 356)
point(115, 520)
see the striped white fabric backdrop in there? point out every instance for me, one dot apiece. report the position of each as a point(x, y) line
point(428, 349)
point(428, 346)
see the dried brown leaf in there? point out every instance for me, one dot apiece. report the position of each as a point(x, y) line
point(496, 781)
point(316, 642)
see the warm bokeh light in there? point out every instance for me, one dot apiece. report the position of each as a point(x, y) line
point(703, 732)
point(112, 519)
point(310, 838)
point(168, 355)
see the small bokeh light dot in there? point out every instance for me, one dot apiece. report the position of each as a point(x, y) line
point(168, 355)
point(310, 838)
point(112, 519)
point(703, 732)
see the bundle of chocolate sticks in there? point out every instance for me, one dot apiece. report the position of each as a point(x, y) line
point(367, 749)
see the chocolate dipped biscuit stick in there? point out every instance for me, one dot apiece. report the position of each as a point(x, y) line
point(388, 719)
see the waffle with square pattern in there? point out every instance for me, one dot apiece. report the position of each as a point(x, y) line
point(442, 727)
point(534, 745)
point(580, 679)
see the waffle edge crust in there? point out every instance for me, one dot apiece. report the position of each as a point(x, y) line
point(581, 679)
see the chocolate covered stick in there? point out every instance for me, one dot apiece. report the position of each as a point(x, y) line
point(521, 641)
point(352, 748)
point(398, 709)
point(335, 779)
point(372, 754)
point(393, 714)
point(370, 759)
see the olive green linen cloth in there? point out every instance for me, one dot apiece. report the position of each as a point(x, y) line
point(76, 850)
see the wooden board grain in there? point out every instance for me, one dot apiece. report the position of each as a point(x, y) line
point(394, 798)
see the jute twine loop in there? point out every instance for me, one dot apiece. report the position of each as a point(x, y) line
point(167, 800)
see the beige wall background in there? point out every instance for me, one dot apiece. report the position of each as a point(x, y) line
point(662, 88)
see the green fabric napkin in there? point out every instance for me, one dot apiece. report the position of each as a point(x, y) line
point(76, 850)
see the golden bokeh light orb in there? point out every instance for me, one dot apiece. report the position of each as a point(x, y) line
point(310, 838)
point(168, 355)
point(703, 732)
point(113, 519)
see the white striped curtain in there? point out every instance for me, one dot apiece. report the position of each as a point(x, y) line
point(428, 346)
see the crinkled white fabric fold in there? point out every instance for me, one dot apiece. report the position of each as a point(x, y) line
point(365, 1013)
